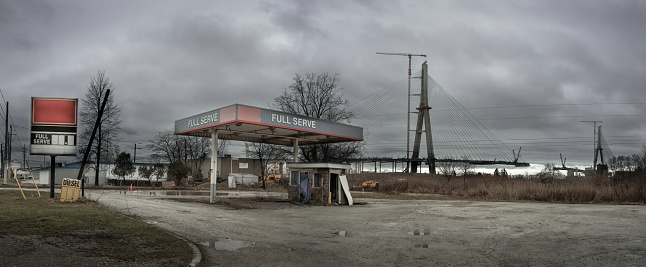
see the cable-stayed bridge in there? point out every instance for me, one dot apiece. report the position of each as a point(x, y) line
point(451, 132)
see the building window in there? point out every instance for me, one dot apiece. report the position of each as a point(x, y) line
point(295, 178)
point(318, 180)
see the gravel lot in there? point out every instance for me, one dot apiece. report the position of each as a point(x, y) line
point(393, 232)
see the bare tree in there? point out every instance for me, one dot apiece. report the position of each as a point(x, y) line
point(464, 166)
point(447, 167)
point(159, 170)
point(109, 126)
point(548, 171)
point(146, 172)
point(265, 153)
point(222, 147)
point(197, 151)
point(630, 166)
point(190, 150)
point(166, 145)
point(319, 96)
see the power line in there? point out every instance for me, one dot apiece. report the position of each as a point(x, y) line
point(564, 116)
point(12, 123)
point(564, 104)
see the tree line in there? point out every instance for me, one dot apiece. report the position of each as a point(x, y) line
point(629, 166)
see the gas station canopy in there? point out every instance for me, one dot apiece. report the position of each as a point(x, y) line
point(252, 124)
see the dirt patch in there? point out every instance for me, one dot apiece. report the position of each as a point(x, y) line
point(389, 232)
point(258, 202)
point(75, 251)
point(51, 251)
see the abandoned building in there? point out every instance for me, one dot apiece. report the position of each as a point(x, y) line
point(319, 183)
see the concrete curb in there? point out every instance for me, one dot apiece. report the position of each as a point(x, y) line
point(197, 255)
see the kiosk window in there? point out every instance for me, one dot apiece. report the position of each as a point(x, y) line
point(305, 178)
point(295, 178)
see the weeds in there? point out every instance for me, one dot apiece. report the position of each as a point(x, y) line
point(568, 190)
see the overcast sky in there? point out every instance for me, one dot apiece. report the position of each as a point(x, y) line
point(530, 70)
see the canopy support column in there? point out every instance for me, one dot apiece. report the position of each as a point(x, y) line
point(214, 163)
point(295, 148)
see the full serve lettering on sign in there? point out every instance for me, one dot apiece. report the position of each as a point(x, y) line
point(284, 119)
point(192, 123)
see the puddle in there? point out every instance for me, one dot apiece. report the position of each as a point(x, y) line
point(178, 193)
point(420, 232)
point(227, 244)
point(421, 246)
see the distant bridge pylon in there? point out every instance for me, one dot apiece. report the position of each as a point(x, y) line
point(453, 134)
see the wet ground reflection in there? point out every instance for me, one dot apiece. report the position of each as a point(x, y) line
point(227, 244)
point(178, 193)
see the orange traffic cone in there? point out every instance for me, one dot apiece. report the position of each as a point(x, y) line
point(131, 189)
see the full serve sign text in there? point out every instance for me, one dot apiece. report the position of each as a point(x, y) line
point(206, 119)
point(285, 119)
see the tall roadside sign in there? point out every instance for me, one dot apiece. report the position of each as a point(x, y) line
point(54, 123)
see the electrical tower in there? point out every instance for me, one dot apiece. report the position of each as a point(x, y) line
point(596, 144)
point(408, 112)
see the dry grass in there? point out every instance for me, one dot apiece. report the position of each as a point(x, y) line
point(90, 229)
point(569, 190)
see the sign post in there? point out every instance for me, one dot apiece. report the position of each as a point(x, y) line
point(54, 124)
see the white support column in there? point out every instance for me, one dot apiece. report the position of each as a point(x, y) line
point(295, 148)
point(214, 163)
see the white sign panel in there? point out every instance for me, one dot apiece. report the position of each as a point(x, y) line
point(53, 126)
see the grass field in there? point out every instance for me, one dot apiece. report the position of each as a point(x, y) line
point(568, 190)
point(89, 229)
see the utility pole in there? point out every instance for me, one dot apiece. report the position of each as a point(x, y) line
point(24, 156)
point(134, 158)
point(9, 151)
point(2, 161)
point(594, 140)
point(409, 55)
point(5, 168)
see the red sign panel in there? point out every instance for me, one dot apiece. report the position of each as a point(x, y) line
point(54, 111)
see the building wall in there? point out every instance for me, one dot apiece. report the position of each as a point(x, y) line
point(105, 174)
point(227, 165)
point(60, 174)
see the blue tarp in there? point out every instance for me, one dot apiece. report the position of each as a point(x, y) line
point(304, 189)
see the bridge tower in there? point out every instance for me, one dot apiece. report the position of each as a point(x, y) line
point(423, 119)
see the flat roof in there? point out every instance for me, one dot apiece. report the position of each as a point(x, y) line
point(318, 165)
point(253, 124)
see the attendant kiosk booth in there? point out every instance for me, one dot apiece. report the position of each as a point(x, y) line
point(252, 124)
point(318, 183)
